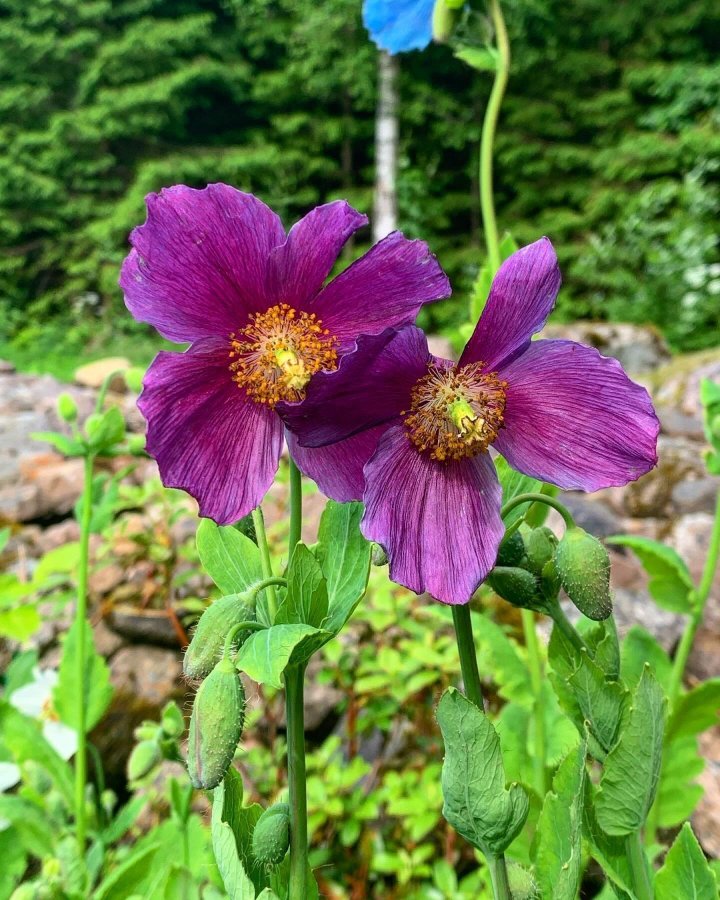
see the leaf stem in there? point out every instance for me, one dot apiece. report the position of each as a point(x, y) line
point(638, 867)
point(499, 877)
point(297, 886)
point(487, 140)
point(468, 656)
point(295, 507)
point(265, 563)
point(80, 660)
point(696, 617)
point(563, 623)
point(535, 667)
point(539, 498)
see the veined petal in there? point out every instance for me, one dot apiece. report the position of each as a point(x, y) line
point(338, 468)
point(438, 522)
point(575, 419)
point(199, 264)
point(371, 385)
point(208, 438)
point(521, 297)
point(298, 268)
point(384, 288)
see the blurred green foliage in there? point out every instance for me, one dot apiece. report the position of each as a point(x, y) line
point(609, 143)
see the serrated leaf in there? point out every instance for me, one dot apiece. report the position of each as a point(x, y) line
point(513, 484)
point(609, 851)
point(639, 648)
point(678, 794)
point(306, 602)
point(265, 654)
point(501, 657)
point(696, 711)
point(670, 583)
point(558, 841)
point(68, 692)
point(685, 872)
point(602, 641)
point(632, 768)
point(229, 557)
point(476, 801)
point(232, 827)
point(344, 556)
point(63, 444)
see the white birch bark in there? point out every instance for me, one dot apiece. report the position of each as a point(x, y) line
point(386, 147)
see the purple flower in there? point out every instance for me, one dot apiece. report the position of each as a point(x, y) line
point(214, 267)
point(556, 410)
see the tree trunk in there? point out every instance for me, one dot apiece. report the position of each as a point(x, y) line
point(386, 147)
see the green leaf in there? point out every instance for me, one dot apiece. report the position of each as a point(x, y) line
point(19, 623)
point(306, 602)
point(513, 484)
point(670, 583)
point(696, 711)
point(685, 872)
point(501, 657)
point(632, 768)
point(344, 556)
point(483, 59)
point(22, 737)
point(62, 560)
point(126, 878)
point(229, 557)
point(124, 820)
point(558, 847)
point(265, 654)
point(609, 851)
point(14, 858)
point(68, 694)
point(480, 293)
point(678, 793)
point(232, 828)
point(477, 803)
point(63, 444)
point(639, 648)
point(602, 641)
point(105, 430)
point(31, 823)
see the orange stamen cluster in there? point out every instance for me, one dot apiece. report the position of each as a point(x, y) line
point(455, 413)
point(277, 353)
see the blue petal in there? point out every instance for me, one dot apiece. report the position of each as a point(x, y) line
point(398, 25)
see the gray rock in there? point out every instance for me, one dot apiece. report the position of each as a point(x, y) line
point(697, 495)
point(592, 515)
point(675, 423)
point(638, 347)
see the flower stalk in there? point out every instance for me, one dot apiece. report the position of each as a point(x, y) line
point(265, 563)
point(294, 678)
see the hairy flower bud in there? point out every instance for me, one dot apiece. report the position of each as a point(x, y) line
point(67, 407)
point(512, 550)
point(540, 546)
point(271, 836)
point(207, 643)
point(517, 586)
point(144, 757)
point(583, 565)
point(172, 721)
point(216, 725)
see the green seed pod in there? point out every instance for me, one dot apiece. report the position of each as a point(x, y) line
point(206, 647)
point(216, 724)
point(172, 720)
point(144, 757)
point(541, 544)
point(67, 407)
point(512, 550)
point(271, 836)
point(583, 565)
point(517, 586)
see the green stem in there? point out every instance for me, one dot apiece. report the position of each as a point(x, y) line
point(297, 886)
point(565, 626)
point(295, 506)
point(468, 656)
point(81, 653)
point(487, 140)
point(104, 387)
point(695, 619)
point(499, 877)
point(248, 625)
point(536, 679)
point(638, 867)
point(265, 563)
point(539, 498)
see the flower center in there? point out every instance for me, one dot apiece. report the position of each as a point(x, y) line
point(455, 413)
point(277, 353)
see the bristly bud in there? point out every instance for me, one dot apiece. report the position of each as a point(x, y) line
point(134, 378)
point(517, 586)
point(271, 835)
point(216, 725)
point(379, 556)
point(215, 623)
point(540, 546)
point(583, 565)
point(512, 550)
point(143, 759)
point(172, 720)
point(67, 408)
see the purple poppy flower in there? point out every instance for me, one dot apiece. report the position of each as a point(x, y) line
point(556, 410)
point(214, 267)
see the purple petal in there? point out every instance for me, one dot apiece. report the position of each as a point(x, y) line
point(338, 469)
point(575, 419)
point(207, 437)
point(385, 287)
point(521, 297)
point(299, 267)
point(371, 385)
point(198, 265)
point(438, 522)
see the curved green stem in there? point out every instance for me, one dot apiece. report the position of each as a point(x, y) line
point(487, 141)
point(538, 498)
point(265, 563)
point(248, 625)
point(297, 886)
point(695, 619)
point(535, 666)
point(638, 867)
point(81, 654)
point(565, 626)
point(295, 506)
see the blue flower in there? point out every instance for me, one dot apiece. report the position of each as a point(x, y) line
point(398, 25)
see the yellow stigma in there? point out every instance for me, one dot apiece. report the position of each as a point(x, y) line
point(455, 413)
point(277, 353)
